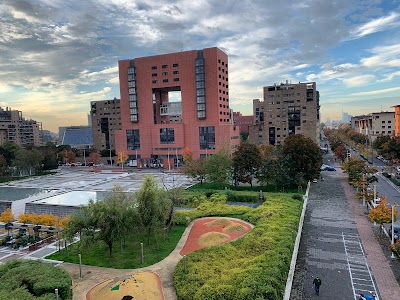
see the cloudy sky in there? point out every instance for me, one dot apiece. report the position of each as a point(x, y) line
point(58, 55)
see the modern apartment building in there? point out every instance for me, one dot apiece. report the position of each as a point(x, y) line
point(375, 124)
point(105, 119)
point(172, 101)
point(17, 129)
point(286, 109)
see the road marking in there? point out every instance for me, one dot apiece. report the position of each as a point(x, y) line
point(358, 266)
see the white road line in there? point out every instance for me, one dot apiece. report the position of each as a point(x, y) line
point(357, 265)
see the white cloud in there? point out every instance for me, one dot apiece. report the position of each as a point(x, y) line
point(377, 92)
point(358, 80)
point(380, 24)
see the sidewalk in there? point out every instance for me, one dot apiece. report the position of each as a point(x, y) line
point(339, 246)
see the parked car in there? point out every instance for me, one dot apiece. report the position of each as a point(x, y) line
point(315, 180)
point(376, 202)
point(396, 231)
point(329, 168)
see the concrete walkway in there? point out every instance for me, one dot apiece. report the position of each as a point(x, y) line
point(339, 246)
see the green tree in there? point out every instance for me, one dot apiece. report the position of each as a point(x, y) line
point(195, 168)
point(356, 168)
point(305, 157)
point(153, 205)
point(246, 162)
point(3, 166)
point(274, 167)
point(27, 159)
point(50, 161)
point(218, 167)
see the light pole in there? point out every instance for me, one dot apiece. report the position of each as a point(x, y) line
point(392, 256)
point(110, 158)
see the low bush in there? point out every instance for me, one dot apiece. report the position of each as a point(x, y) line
point(386, 174)
point(28, 279)
point(220, 186)
point(252, 267)
point(236, 196)
point(395, 181)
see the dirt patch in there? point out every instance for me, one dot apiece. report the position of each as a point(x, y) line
point(144, 285)
point(213, 225)
point(219, 222)
point(236, 228)
point(211, 239)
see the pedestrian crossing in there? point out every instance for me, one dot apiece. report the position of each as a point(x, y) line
point(360, 274)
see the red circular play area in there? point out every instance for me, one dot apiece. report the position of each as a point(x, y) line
point(210, 232)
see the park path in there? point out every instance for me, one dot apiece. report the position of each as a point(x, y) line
point(92, 276)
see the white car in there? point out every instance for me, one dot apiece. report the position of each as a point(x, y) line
point(315, 180)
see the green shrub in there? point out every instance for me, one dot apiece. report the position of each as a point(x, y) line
point(27, 279)
point(297, 197)
point(395, 181)
point(252, 267)
point(236, 196)
point(217, 187)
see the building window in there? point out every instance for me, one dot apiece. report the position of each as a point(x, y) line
point(207, 137)
point(164, 66)
point(133, 139)
point(154, 74)
point(176, 79)
point(155, 81)
point(175, 65)
point(154, 67)
point(176, 72)
point(165, 73)
point(165, 80)
point(167, 136)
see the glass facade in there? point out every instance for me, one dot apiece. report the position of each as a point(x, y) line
point(133, 139)
point(200, 86)
point(132, 93)
point(167, 135)
point(207, 137)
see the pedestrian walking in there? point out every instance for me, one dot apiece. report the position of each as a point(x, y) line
point(317, 283)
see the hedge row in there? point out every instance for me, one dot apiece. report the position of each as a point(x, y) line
point(28, 280)
point(220, 186)
point(253, 267)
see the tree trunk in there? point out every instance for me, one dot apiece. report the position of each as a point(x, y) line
point(110, 246)
point(148, 235)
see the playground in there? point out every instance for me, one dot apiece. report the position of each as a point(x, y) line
point(148, 283)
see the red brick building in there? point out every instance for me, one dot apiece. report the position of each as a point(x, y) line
point(243, 121)
point(155, 126)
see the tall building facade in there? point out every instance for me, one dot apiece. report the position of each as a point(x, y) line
point(156, 126)
point(286, 109)
point(105, 117)
point(397, 121)
point(17, 129)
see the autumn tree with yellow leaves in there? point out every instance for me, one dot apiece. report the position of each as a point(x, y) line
point(7, 216)
point(382, 213)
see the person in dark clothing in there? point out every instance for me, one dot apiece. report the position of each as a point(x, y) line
point(317, 283)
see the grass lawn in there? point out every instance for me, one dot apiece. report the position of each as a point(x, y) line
point(129, 258)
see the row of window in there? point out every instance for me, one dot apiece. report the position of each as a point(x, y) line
point(222, 62)
point(165, 73)
point(283, 95)
point(167, 136)
point(164, 80)
point(164, 66)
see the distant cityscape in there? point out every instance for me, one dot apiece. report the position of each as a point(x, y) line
point(190, 108)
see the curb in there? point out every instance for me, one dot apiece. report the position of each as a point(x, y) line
point(289, 281)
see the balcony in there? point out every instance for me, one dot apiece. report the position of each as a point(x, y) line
point(171, 109)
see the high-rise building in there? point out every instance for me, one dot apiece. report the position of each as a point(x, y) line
point(17, 129)
point(173, 101)
point(286, 109)
point(105, 120)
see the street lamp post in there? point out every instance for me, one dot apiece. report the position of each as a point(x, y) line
point(392, 256)
point(111, 158)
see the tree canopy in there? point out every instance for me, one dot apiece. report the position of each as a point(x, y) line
point(246, 162)
point(304, 156)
